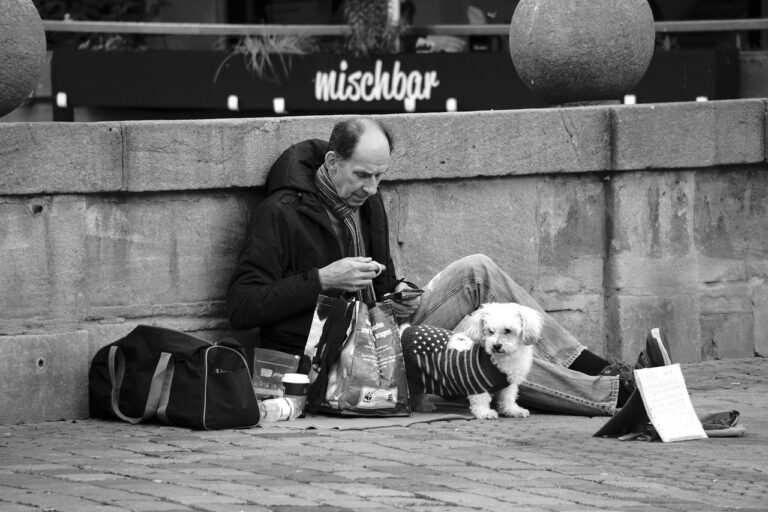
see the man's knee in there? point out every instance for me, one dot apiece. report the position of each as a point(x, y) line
point(478, 264)
point(469, 271)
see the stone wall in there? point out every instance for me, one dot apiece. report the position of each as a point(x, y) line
point(616, 218)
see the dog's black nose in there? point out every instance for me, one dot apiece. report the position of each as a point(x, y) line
point(497, 347)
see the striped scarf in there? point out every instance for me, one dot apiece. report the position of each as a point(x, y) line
point(344, 213)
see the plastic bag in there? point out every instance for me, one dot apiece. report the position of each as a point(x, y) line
point(357, 361)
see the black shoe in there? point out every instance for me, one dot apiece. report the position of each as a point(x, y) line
point(656, 351)
point(626, 377)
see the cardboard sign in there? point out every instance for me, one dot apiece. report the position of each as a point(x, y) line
point(668, 404)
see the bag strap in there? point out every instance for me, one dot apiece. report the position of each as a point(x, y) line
point(329, 349)
point(116, 375)
point(165, 396)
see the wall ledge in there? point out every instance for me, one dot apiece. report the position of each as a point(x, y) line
point(148, 156)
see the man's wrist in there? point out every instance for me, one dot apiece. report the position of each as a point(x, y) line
point(321, 280)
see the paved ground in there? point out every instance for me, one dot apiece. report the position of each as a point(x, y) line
point(545, 462)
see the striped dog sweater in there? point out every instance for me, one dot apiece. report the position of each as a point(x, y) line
point(435, 369)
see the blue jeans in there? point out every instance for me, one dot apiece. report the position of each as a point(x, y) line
point(551, 386)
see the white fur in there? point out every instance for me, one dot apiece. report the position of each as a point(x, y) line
point(507, 332)
point(460, 342)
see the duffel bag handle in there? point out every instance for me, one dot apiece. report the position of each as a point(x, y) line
point(165, 395)
point(116, 375)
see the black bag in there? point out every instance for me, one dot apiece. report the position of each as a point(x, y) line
point(179, 379)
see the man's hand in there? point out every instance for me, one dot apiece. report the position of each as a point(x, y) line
point(350, 274)
point(404, 310)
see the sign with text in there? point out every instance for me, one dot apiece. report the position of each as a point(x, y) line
point(199, 81)
point(668, 404)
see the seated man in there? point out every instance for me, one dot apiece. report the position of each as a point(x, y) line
point(323, 229)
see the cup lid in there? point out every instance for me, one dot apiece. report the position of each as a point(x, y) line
point(296, 378)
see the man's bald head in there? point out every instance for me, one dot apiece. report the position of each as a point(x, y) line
point(346, 135)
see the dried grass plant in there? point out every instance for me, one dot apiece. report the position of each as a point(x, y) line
point(263, 54)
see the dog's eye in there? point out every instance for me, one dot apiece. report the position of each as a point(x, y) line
point(489, 331)
point(507, 331)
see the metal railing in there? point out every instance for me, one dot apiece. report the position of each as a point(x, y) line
point(226, 29)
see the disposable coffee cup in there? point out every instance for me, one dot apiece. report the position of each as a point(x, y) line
point(296, 386)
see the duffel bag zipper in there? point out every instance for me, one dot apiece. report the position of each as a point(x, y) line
point(184, 333)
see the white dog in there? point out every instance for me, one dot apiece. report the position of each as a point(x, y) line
point(507, 333)
point(491, 350)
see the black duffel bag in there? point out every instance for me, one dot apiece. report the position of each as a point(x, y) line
point(155, 373)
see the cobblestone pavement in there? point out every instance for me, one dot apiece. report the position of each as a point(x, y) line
point(545, 462)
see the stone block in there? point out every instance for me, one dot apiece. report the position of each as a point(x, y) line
point(42, 270)
point(756, 268)
point(45, 377)
point(727, 335)
point(643, 276)
point(694, 134)
point(730, 314)
point(174, 155)
point(570, 234)
point(570, 216)
point(678, 317)
point(583, 315)
point(40, 158)
point(730, 214)
point(516, 142)
point(162, 255)
point(718, 298)
point(583, 275)
point(209, 154)
point(715, 270)
point(433, 224)
point(652, 248)
point(652, 213)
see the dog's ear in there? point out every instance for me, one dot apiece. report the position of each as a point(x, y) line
point(472, 324)
point(531, 322)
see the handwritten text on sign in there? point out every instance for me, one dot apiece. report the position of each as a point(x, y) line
point(668, 404)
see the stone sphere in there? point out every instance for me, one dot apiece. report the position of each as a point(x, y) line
point(569, 51)
point(22, 52)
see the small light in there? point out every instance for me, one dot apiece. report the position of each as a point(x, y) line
point(410, 104)
point(232, 102)
point(61, 99)
point(702, 98)
point(630, 99)
point(451, 105)
point(278, 104)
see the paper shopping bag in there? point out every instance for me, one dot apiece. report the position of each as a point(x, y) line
point(357, 360)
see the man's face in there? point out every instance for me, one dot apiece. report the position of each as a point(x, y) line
point(357, 178)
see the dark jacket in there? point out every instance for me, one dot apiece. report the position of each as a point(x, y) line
point(276, 282)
